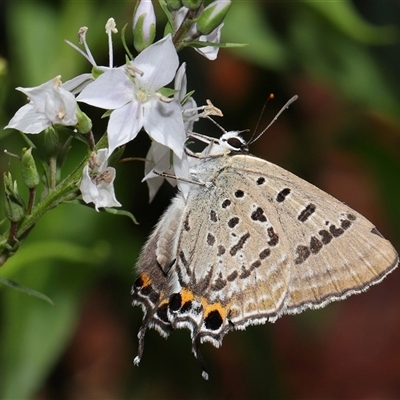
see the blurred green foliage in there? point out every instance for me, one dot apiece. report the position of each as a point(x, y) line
point(74, 250)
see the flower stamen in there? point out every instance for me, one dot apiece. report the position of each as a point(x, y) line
point(132, 70)
point(111, 27)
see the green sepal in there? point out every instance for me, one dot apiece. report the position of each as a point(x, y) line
point(174, 5)
point(187, 96)
point(139, 41)
point(192, 4)
point(167, 92)
point(96, 72)
point(14, 205)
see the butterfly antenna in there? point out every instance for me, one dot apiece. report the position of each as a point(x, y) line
point(270, 97)
point(222, 129)
point(292, 100)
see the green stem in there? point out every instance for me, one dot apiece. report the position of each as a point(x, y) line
point(55, 196)
point(32, 195)
point(52, 172)
point(183, 30)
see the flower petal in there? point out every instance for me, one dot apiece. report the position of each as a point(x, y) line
point(181, 167)
point(158, 159)
point(102, 159)
point(99, 189)
point(88, 188)
point(37, 94)
point(27, 120)
point(76, 85)
point(106, 195)
point(60, 107)
point(163, 122)
point(125, 123)
point(210, 52)
point(110, 90)
point(158, 63)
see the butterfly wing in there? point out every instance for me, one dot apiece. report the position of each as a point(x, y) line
point(251, 244)
point(333, 250)
point(261, 242)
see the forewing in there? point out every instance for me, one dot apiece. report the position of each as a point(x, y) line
point(333, 250)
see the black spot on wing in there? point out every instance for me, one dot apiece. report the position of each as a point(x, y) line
point(213, 216)
point(307, 212)
point(239, 194)
point(260, 180)
point(210, 239)
point(226, 203)
point(239, 245)
point(281, 196)
point(303, 252)
point(233, 222)
point(213, 320)
point(258, 215)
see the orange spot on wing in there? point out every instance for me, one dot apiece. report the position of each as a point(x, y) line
point(145, 279)
point(186, 295)
point(223, 310)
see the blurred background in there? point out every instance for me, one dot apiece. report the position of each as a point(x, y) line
point(343, 135)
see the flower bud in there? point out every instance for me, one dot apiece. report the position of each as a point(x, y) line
point(29, 172)
point(213, 16)
point(51, 141)
point(192, 4)
point(144, 25)
point(14, 205)
point(84, 124)
point(174, 5)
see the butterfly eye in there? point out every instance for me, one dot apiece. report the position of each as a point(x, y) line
point(235, 143)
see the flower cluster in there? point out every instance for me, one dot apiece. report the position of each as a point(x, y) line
point(136, 98)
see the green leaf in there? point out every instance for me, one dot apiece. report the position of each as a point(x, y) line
point(222, 45)
point(124, 213)
point(345, 65)
point(34, 335)
point(12, 284)
point(345, 18)
point(265, 47)
point(126, 48)
point(168, 14)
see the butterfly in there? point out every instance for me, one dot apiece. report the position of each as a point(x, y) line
point(250, 243)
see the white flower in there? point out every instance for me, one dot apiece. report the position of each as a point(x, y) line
point(48, 104)
point(189, 108)
point(97, 182)
point(159, 159)
point(136, 101)
point(159, 156)
point(210, 52)
point(77, 84)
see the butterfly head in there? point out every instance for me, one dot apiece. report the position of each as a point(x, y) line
point(232, 141)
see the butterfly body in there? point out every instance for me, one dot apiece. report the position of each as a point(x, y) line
point(250, 243)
